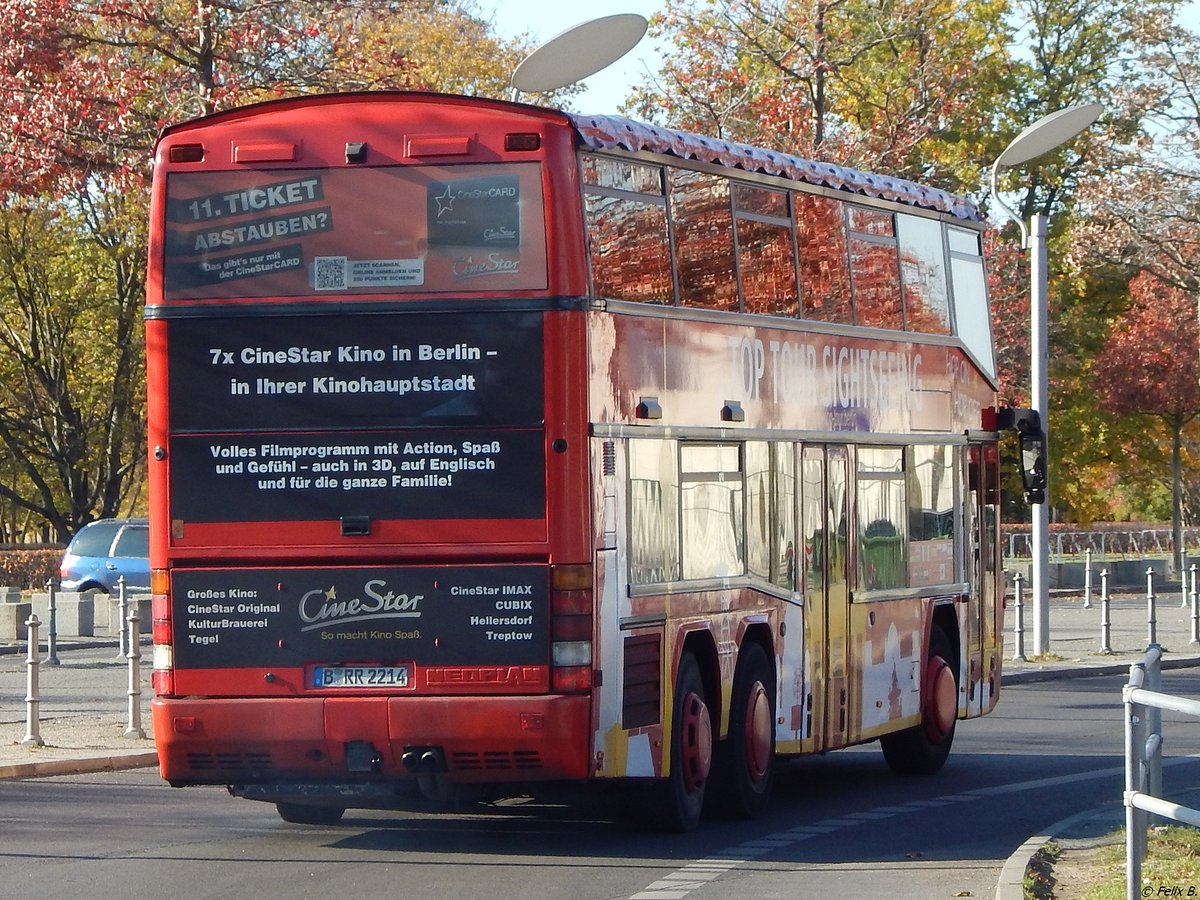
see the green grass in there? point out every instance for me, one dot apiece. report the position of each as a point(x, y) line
point(1171, 868)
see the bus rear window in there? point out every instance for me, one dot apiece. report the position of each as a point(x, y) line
point(300, 232)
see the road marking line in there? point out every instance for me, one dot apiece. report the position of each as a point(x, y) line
point(671, 886)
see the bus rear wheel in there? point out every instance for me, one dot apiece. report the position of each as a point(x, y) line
point(741, 783)
point(923, 748)
point(306, 814)
point(679, 798)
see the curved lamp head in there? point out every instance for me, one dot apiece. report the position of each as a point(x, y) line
point(578, 52)
point(1049, 132)
point(1040, 138)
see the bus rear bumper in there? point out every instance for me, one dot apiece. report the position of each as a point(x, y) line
point(468, 739)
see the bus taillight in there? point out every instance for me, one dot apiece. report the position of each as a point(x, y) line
point(571, 623)
point(161, 629)
point(163, 677)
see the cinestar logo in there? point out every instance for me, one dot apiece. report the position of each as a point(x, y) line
point(507, 235)
point(492, 264)
point(320, 608)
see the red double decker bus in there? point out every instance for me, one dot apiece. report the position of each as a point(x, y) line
point(492, 445)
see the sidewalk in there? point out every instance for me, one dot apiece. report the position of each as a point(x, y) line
point(1076, 636)
point(84, 711)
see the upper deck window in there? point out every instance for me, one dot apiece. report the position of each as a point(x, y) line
point(676, 235)
point(874, 268)
point(766, 252)
point(923, 274)
point(628, 244)
point(702, 219)
point(824, 272)
point(378, 230)
point(969, 285)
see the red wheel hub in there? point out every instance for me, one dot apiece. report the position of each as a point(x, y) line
point(757, 732)
point(695, 751)
point(941, 699)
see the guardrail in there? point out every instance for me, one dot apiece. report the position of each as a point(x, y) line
point(1109, 544)
point(1144, 703)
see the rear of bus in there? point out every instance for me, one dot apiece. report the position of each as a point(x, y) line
point(369, 501)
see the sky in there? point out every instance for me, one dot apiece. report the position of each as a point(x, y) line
point(605, 90)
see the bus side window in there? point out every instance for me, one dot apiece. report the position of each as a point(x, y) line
point(883, 519)
point(627, 244)
point(712, 500)
point(653, 512)
point(923, 274)
point(626, 220)
point(770, 513)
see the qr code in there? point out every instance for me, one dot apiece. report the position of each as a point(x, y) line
point(329, 273)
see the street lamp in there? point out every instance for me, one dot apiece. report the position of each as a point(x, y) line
point(1041, 137)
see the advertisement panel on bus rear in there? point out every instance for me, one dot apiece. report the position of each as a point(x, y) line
point(388, 416)
point(362, 230)
point(371, 370)
point(425, 616)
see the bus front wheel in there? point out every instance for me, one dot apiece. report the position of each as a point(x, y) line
point(923, 748)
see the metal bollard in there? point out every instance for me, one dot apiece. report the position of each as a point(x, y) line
point(33, 723)
point(1018, 620)
point(1150, 619)
point(135, 678)
point(1195, 609)
point(52, 635)
point(1183, 585)
point(122, 613)
point(1105, 615)
point(1087, 579)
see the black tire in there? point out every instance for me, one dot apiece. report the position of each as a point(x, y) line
point(741, 784)
point(306, 814)
point(923, 748)
point(679, 798)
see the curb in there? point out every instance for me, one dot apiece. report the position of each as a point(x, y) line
point(111, 763)
point(1011, 884)
point(1054, 674)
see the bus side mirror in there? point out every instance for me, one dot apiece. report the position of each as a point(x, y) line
point(1033, 466)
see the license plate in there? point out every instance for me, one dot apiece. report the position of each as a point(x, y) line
point(360, 676)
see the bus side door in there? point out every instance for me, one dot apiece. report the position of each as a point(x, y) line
point(985, 624)
point(825, 529)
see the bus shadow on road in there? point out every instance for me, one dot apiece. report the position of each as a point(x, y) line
point(843, 808)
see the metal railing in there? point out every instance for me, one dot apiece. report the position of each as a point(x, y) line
point(1108, 544)
point(1144, 703)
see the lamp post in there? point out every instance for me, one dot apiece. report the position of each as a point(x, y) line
point(1041, 137)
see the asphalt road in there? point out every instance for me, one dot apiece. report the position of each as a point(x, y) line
point(841, 826)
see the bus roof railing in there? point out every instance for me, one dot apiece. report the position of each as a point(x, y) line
point(616, 132)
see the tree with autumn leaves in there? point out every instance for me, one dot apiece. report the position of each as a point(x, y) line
point(85, 88)
point(1148, 370)
point(926, 89)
